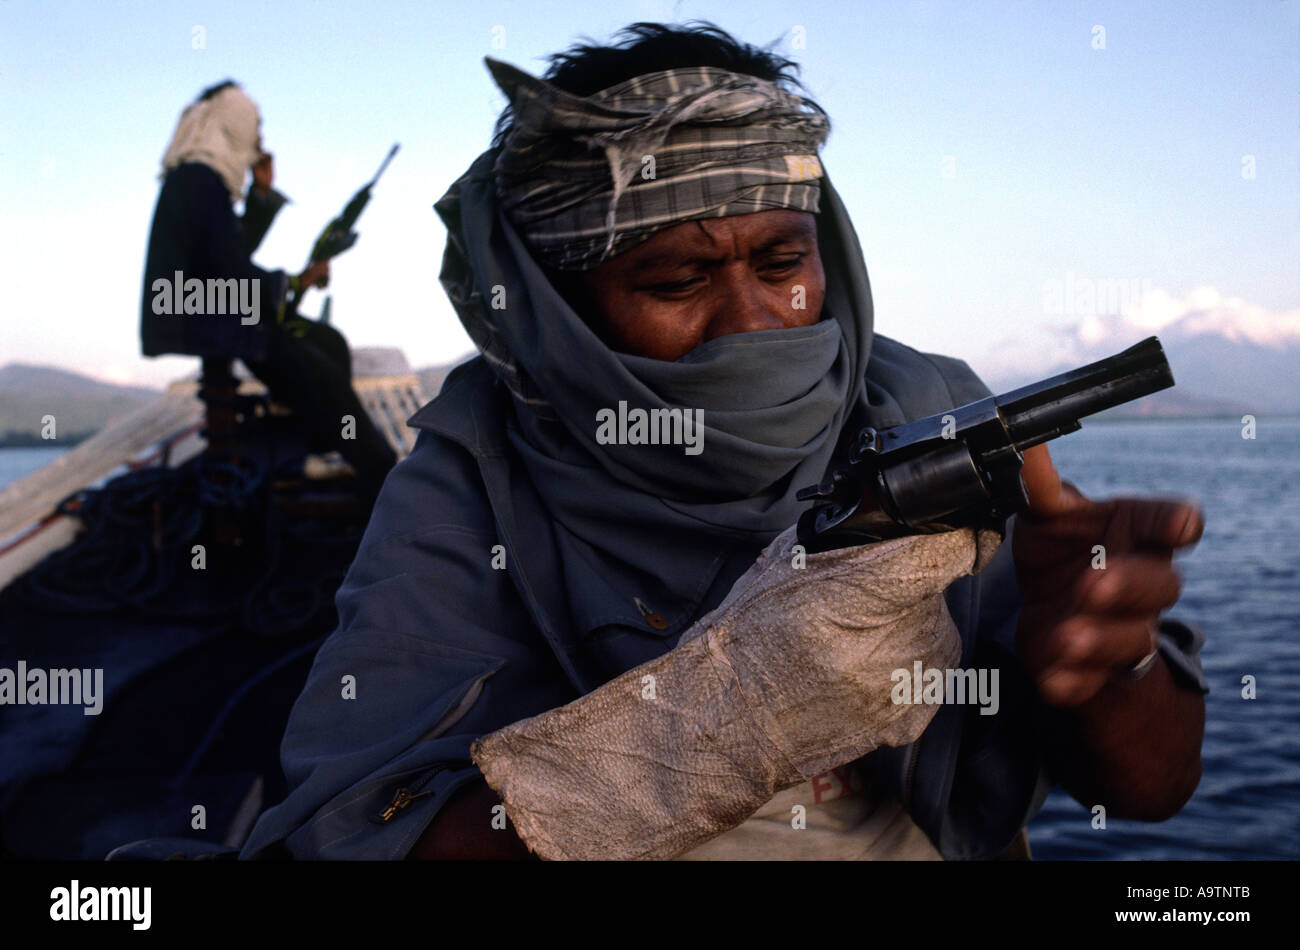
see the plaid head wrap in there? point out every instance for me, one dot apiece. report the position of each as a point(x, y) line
point(584, 179)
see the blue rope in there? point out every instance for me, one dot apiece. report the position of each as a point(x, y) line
point(210, 736)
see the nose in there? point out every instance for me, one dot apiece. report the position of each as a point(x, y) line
point(741, 304)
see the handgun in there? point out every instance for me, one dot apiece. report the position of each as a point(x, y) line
point(962, 468)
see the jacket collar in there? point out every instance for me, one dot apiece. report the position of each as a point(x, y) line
point(462, 414)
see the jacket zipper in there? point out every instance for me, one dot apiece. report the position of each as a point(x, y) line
point(403, 797)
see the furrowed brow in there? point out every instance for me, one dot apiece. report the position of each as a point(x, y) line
point(792, 235)
point(664, 261)
point(668, 259)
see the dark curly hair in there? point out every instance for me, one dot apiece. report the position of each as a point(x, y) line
point(586, 67)
point(211, 91)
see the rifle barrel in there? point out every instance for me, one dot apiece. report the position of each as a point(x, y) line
point(384, 164)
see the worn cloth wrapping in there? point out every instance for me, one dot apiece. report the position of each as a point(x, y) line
point(575, 173)
point(788, 677)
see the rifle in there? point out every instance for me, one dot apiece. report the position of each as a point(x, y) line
point(339, 235)
point(961, 468)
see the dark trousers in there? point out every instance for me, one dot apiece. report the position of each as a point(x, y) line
point(308, 367)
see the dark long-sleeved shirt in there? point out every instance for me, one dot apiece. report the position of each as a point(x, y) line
point(195, 232)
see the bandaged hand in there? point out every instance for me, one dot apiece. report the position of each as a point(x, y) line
point(788, 678)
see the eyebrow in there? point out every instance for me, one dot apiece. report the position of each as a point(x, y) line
point(787, 234)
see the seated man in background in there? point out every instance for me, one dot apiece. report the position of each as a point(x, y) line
point(305, 364)
point(609, 639)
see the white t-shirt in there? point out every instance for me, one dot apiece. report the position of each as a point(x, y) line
point(832, 817)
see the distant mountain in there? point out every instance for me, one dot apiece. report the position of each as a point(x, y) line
point(1259, 378)
point(1176, 404)
point(81, 406)
point(1229, 357)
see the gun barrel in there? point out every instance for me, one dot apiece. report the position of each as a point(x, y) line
point(384, 164)
point(1043, 410)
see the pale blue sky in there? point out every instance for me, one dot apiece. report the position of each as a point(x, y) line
point(1116, 163)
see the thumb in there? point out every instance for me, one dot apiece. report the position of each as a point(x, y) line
point(1048, 495)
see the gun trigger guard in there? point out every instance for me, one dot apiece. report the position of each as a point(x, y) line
point(825, 490)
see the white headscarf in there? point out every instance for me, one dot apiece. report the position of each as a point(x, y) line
point(221, 132)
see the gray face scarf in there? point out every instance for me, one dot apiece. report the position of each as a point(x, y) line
point(771, 403)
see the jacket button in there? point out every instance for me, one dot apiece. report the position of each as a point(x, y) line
point(651, 617)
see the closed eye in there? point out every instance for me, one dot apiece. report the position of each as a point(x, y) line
point(784, 267)
point(677, 287)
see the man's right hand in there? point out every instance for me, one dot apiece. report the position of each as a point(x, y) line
point(317, 274)
point(264, 173)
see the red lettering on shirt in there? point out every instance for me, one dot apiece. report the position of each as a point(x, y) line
point(849, 781)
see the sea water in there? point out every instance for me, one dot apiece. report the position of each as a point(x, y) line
point(1241, 586)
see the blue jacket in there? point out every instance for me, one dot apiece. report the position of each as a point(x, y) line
point(443, 648)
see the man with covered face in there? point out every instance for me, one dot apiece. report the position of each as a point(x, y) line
point(196, 236)
point(571, 641)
